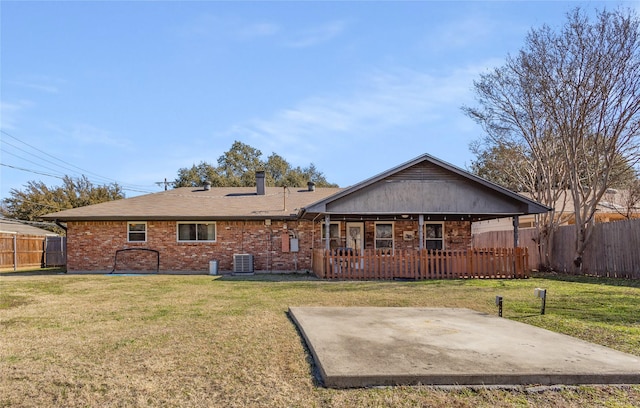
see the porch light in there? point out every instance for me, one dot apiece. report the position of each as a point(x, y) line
point(405, 215)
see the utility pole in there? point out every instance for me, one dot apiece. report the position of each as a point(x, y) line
point(165, 182)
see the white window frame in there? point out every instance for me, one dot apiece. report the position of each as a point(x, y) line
point(129, 231)
point(196, 223)
point(433, 239)
point(392, 239)
point(337, 239)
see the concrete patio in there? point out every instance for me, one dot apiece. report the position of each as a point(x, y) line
point(373, 346)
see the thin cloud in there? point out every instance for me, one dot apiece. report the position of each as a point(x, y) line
point(461, 33)
point(211, 26)
point(37, 86)
point(256, 30)
point(203, 25)
point(10, 112)
point(317, 35)
point(85, 134)
point(386, 100)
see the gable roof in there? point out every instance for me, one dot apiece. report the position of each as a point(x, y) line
point(426, 185)
point(189, 203)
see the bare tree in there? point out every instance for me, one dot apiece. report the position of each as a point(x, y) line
point(571, 100)
point(625, 200)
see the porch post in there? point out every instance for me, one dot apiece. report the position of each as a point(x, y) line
point(327, 232)
point(420, 231)
point(516, 224)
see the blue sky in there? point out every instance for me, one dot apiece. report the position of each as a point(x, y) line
point(133, 91)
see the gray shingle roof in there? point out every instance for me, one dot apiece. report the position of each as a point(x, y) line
point(195, 203)
point(16, 227)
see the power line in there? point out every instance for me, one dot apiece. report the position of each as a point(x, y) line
point(31, 171)
point(55, 158)
point(25, 151)
point(77, 178)
point(30, 161)
point(67, 165)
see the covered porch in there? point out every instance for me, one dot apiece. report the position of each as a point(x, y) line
point(414, 222)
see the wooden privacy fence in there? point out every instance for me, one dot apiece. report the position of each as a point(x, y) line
point(421, 264)
point(527, 238)
point(31, 251)
point(614, 249)
point(55, 251)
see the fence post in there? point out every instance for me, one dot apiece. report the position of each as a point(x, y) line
point(15, 252)
point(44, 252)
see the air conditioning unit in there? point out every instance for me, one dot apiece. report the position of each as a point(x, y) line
point(243, 263)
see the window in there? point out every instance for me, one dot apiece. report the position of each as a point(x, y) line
point(384, 236)
point(334, 234)
point(197, 231)
point(433, 238)
point(136, 231)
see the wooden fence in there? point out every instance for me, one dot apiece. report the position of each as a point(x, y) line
point(421, 264)
point(55, 251)
point(527, 238)
point(31, 251)
point(613, 251)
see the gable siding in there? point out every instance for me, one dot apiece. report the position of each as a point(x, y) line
point(425, 187)
point(424, 197)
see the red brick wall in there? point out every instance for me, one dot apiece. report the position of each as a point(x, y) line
point(91, 246)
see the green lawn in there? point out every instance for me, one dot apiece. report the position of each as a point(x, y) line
point(159, 340)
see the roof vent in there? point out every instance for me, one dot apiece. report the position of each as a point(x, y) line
point(311, 186)
point(260, 182)
point(207, 185)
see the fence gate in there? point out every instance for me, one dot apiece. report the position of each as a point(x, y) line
point(55, 250)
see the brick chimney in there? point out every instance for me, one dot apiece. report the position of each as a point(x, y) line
point(260, 182)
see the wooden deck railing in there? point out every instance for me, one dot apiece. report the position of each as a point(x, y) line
point(421, 264)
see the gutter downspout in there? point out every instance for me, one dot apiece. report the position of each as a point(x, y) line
point(59, 224)
point(63, 247)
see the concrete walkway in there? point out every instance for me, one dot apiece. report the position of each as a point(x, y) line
point(367, 346)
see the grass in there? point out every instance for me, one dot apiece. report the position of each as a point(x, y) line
point(90, 340)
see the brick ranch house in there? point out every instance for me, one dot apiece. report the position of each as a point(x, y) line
point(422, 206)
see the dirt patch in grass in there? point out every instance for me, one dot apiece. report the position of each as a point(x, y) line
point(226, 342)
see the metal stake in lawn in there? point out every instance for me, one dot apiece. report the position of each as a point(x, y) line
point(499, 304)
point(541, 293)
